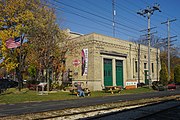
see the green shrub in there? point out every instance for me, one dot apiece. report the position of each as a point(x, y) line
point(177, 74)
point(163, 74)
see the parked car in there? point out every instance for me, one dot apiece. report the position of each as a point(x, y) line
point(32, 84)
point(6, 83)
point(171, 86)
point(140, 84)
point(156, 85)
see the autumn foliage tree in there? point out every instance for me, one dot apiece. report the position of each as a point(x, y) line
point(16, 17)
point(38, 22)
point(45, 39)
point(174, 59)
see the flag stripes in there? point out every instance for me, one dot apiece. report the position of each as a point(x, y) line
point(11, 43)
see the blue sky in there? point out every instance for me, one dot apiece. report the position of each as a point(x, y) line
point(87, 16)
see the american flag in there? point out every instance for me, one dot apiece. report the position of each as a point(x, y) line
point(1, 60)
point(11, 43)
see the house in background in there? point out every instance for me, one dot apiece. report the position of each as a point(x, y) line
point(98, 61)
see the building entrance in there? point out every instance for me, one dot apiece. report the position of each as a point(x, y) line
point(119, 72)
point(108, 72)
point(146, 77)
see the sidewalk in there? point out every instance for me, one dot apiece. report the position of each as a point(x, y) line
point(33, 107)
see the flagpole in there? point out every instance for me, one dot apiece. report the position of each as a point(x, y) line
point(20, 64)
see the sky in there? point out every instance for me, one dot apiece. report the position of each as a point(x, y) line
point(88, 16)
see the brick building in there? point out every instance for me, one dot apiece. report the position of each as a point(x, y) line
point(100, 61)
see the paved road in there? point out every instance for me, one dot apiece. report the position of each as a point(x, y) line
point(23, 108)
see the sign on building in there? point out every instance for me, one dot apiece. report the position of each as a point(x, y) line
point(84, 61)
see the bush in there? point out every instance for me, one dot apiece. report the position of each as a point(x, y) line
point(55, 86)
point(164, 74)
point(177, 74)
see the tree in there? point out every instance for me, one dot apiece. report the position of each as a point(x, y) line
point(47, 43)
point(32, 72)
point(154, 41)
point(163, 74)
point(16, 17)
point(174, 59)
point(177, 74)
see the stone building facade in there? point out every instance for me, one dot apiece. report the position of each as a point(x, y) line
point(98, 61)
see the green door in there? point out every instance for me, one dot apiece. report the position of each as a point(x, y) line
point(146, 77)
point(119, 72)
point(108, 72)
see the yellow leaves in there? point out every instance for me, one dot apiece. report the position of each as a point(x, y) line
point(9, 33)
point(33, 19)
point(9, 64)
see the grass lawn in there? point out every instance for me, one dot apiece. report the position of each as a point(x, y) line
point(14, 96)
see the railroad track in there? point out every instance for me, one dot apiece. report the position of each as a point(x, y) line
point(99, 111)
point(147, 112)
point(172, 113)
point(107, 113)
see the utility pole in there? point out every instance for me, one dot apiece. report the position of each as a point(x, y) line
point(168, 42)
point(138, 63)
point(148, 12)
point(114, 13)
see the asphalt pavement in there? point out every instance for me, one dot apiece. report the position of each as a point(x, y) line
point(34, 107)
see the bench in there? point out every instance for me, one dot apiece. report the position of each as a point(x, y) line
point(74, 91)
point(113, 89)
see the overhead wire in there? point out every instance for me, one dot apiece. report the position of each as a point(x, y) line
point(104, 18)
point(161, 29)
point(145, 2)
point(124, 18)
point(99, 7)
point(121, 16)
point(130, 11)
point(98, 22)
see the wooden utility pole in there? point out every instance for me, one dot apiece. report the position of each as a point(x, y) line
point(148, 12)
point(168, 42)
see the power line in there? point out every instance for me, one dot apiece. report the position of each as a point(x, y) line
point(94, 15)
point(132, 12)
point(99, 7)
point(129, 20)
point(90, 27)
point(148, 5)
point(85, 26)
point(117, 16)
point(97, 22)
point(145, 2)
point(123, 18)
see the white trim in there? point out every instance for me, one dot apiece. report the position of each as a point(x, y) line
point(114, 68)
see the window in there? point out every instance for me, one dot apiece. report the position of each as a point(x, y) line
point(136, 67)
point(152, 68)
point(145, 57)
point(145, 65)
